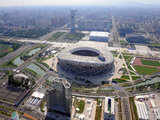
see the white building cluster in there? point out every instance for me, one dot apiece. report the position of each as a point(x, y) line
point(148, 107)
point(99, 36)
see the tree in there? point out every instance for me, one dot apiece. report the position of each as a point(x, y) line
point(10, 79)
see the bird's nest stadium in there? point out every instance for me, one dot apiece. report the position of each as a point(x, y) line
point(86, 61)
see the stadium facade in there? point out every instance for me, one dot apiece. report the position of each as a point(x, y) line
point(86, 61)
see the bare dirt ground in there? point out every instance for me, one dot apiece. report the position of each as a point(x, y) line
point(52, 62)
point(137, 61)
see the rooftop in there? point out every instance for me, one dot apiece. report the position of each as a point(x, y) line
point(99, 34)
point(21, 75)
point(38, 95)
point(94, 54)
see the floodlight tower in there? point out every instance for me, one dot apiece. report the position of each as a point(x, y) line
point(73, 14)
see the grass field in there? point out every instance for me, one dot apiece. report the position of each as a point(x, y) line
point(126, 77)
point(133, 109)
point(79, 104)
point(75, 36)
point(150, 62)
point(128, 59)
point(135, 77)
point(145, 70)
point(119, 80)
point(56, 36)
point(98, 110)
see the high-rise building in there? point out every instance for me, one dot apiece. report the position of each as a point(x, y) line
point(73, 13)
point(59, 97)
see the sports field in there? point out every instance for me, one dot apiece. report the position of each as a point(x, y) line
point(146, 66)
point(146, 70)
point(150, 62)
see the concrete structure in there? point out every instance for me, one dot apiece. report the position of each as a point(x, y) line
point(99, 36)
point(59, 97)
point(20, 76)
point(86, 61)
point(37, 94)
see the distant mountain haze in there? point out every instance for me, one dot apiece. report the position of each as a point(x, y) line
point(77, 2)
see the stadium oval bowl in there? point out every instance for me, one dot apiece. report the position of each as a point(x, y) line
point(86, 61)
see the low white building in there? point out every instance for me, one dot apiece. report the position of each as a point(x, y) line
point(99, 36)
point(37, 94)
point(142, 110)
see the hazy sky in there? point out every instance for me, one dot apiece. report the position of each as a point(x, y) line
point(72, 2)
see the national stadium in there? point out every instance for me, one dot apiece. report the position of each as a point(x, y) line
point(86, 61)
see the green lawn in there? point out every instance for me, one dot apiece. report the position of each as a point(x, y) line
point(145, 70)
point(129, 67)
point(126, 77)
point(127, 58)
point(80, 104)
point(150, 62)
point(74, 36)
point(119, 80)
point(135, 77)
point(133, 109)
point(56, 36)
point(98, 110)
point(154, 45)
point(132, 73)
